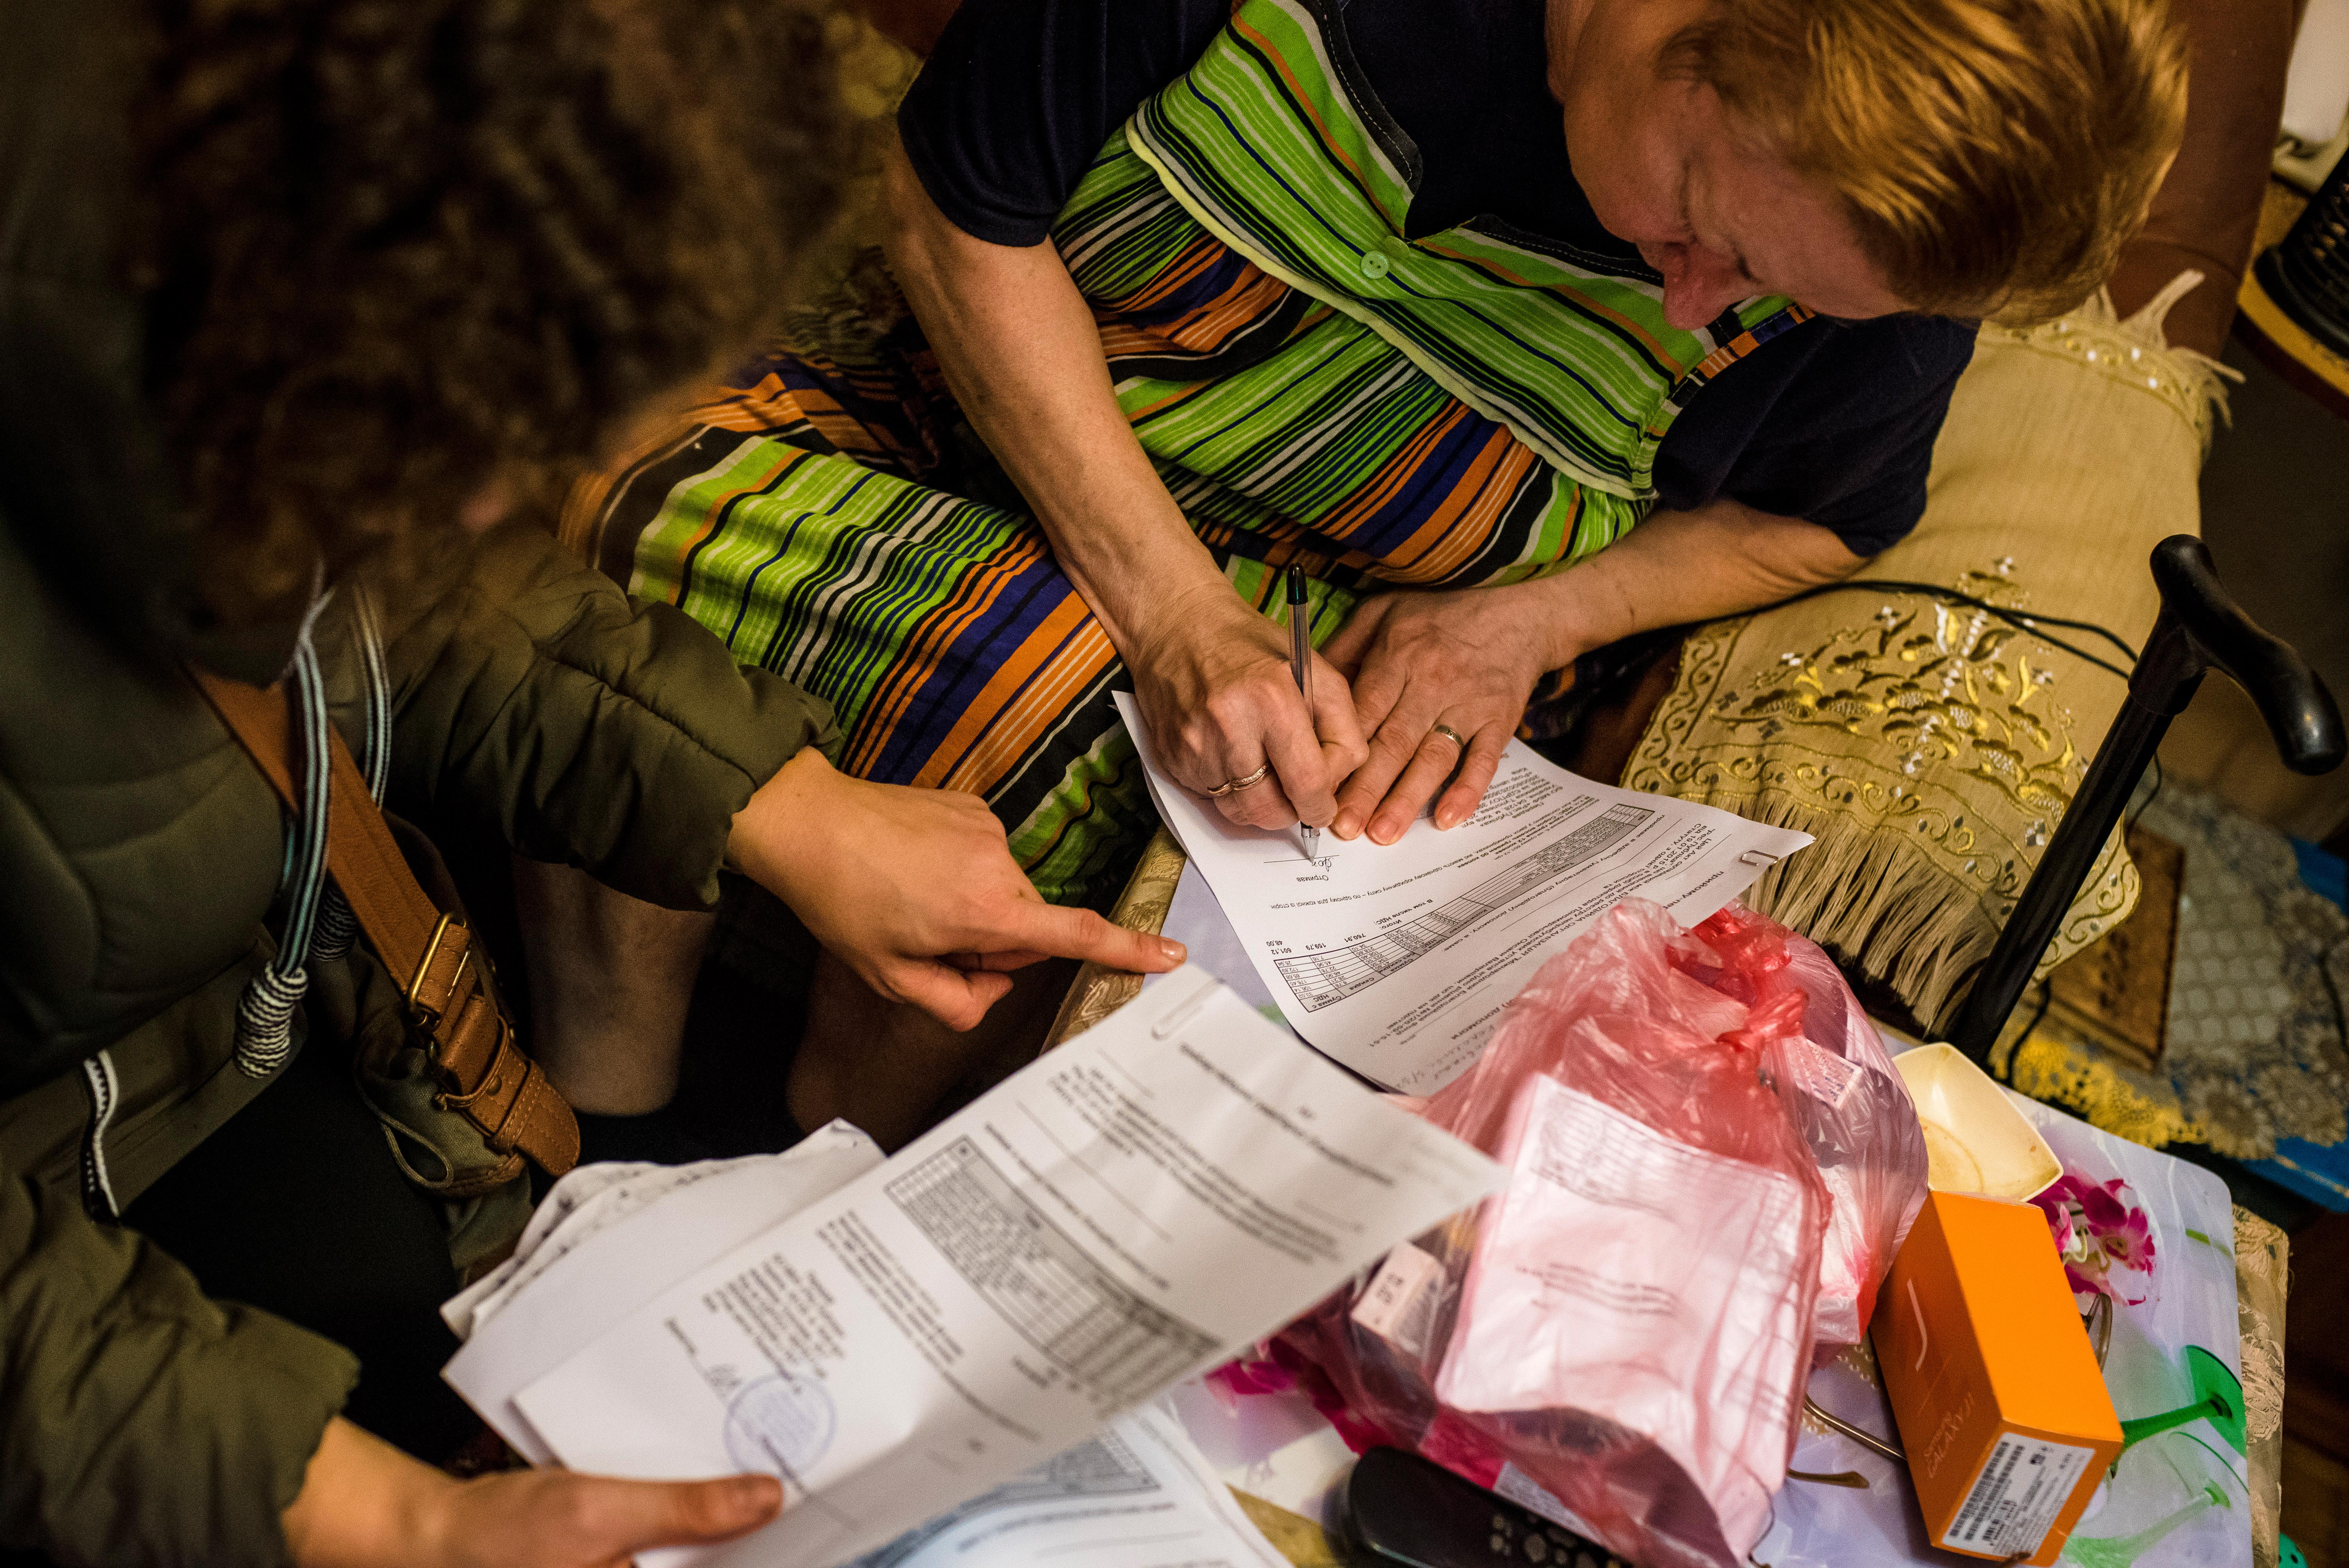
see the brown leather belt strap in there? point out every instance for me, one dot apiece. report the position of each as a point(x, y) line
point(484, 1073)
point(365, 861)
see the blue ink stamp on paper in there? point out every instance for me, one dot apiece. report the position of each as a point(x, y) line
point(781, 1424)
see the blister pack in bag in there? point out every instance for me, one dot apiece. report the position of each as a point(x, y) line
point(1620, 1336)
point(1848, 1100)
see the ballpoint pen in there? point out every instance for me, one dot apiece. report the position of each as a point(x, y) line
point(1300, 663)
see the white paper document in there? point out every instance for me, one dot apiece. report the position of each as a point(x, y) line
point(1179, 1180)
point(1136, 1494)
point(1397, 959)
point(606, 1240)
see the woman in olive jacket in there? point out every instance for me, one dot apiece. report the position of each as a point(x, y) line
point(297, 295)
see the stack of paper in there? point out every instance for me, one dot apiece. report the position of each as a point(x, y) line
point(1397, 959)
point(897, 1339)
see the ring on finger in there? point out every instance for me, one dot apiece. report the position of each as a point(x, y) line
point(1245, 781)
point(1451, 734)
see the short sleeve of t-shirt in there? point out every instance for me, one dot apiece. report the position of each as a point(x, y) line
point(1831, 421)
point(1020, 95)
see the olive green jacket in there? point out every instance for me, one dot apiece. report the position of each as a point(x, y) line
point(141, 853)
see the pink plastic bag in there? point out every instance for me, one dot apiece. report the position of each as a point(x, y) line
point(1853, 1108)
point(1620, 1336)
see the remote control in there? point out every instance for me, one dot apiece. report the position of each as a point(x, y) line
point(1403, 1509)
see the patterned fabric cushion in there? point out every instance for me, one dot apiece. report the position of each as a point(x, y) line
point(1930, 743)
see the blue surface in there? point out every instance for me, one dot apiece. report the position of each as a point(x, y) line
point(2322, 870)
point(2314, 1170)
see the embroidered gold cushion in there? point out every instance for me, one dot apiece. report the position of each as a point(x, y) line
point(1930, 744)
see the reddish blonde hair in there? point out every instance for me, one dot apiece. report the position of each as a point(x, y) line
point(1994, 154)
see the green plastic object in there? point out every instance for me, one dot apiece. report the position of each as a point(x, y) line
point(2122, 1551)
point(2289, 1554)
point(2218, 1398)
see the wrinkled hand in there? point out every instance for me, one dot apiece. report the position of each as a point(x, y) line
point(1466, 659)
point(1216, 690)
point(914, 890)
point(365, 1504)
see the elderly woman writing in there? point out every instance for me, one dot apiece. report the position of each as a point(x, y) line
point(1522, 325)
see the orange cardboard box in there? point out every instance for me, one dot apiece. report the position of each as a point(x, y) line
point(2001, 1410)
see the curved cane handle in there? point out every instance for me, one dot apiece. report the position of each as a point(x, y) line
point(2300, 712)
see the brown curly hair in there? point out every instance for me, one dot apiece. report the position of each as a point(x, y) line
point(399, 251)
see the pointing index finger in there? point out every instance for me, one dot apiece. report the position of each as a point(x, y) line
point(1067, 933)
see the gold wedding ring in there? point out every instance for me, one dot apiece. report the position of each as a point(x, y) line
point(1246, 781)
point(1457, 738)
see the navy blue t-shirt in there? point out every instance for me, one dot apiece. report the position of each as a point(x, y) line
point(1833, 420)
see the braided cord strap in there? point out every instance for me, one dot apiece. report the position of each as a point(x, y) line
point(477, 1065)
point(338, 926)
point(265, 1012)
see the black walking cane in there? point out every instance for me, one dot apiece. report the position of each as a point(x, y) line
point(2199, 627)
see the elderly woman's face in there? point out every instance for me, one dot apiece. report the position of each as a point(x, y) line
point(1666, 167)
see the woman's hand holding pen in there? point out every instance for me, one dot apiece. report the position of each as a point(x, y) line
point(1217, 690)
point(1023, 354)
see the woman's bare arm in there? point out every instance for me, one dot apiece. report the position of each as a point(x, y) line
point(1723, 559)
point(1021, 351)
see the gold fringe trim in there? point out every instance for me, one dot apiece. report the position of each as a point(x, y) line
point(1886, 909)
point(2136, 351)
